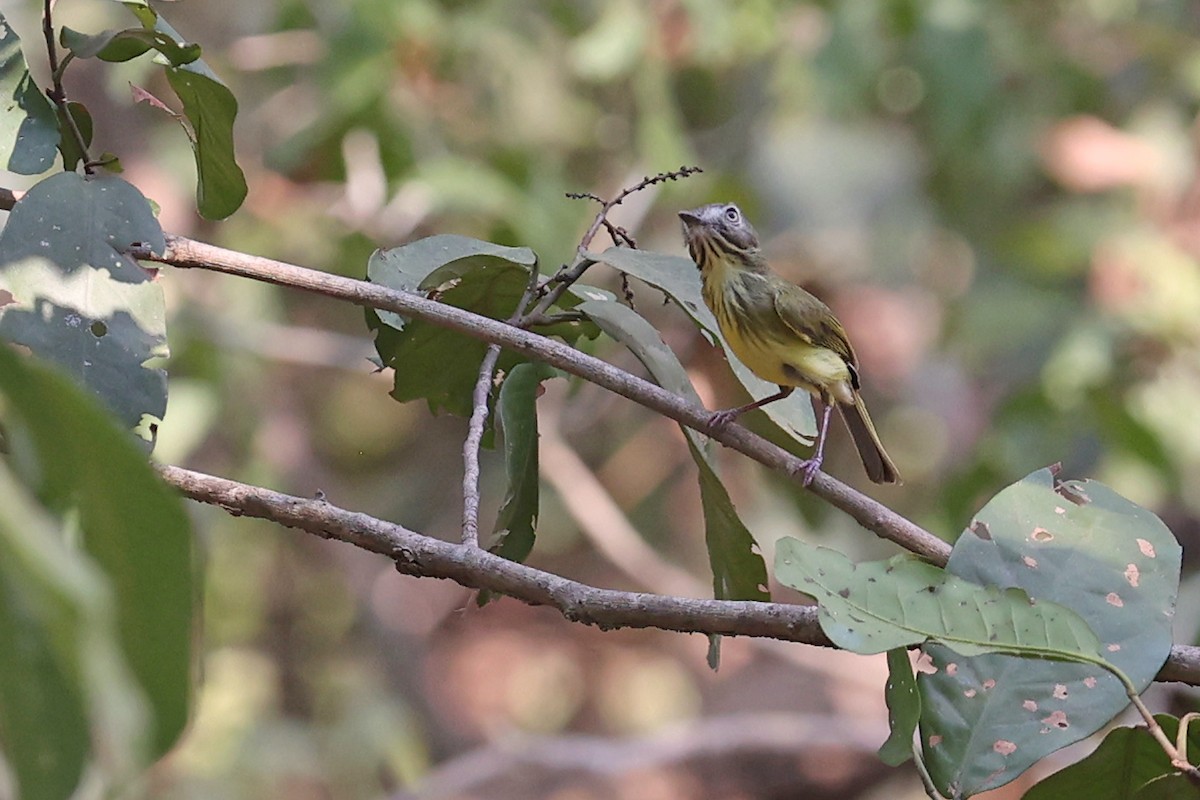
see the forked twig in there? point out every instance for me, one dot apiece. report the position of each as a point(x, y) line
point(606, 206)
point(57, 93)
point(479, 415)
point(553, 289)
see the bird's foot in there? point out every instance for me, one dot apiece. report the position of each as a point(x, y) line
point(808, 469)
point(719, 419)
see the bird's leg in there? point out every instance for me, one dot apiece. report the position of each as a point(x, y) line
point(720, 419)
point(809, 468)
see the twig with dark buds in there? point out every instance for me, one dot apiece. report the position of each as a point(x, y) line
point(553, 289)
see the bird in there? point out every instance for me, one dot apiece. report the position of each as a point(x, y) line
point(781, 332)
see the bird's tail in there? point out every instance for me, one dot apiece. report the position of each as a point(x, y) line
point(880, 468)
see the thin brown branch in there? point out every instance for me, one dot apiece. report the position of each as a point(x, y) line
point(424, 556)
point(473, 567)
point(872, 515)
point(57, 93)
point(608, 205)
point(479, 415)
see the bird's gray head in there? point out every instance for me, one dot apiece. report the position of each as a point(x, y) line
point(718, 230)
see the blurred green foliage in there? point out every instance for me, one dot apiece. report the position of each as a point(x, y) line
point(998, 200)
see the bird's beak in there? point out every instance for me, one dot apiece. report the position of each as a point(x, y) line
point(690, 218)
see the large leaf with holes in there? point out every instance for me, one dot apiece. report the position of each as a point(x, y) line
point(28, 127)
point(69, 293)
point(986, 719)
point(679, 279)
point(883, 605)
point(431, 362)
point(739, 572)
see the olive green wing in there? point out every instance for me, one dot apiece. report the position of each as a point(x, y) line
point(812, 321)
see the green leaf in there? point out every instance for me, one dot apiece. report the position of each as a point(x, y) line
point(713, 655)
point(1127, 761)
point(1075, 543)
point(77, 299)
point(127, 44)
point(408, 268)
point(28, 129)
point(881, 605)
point(1175, 786)
point(739, 572)
point(430, 362)
point(678, 278)
point(904, 708)
point(72, 154)
point(43, 714)
point(211, 109)
point(513, 534)
point(631, 329)
point(132, 526)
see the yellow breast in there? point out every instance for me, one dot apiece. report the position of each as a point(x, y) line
point(763, 342)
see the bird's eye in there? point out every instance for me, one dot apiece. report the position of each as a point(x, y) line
point(732, 214)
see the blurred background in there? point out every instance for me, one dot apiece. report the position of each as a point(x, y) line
point(999, 200)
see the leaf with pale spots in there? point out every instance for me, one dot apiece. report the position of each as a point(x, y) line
point(881, 605)
point(1075, 543)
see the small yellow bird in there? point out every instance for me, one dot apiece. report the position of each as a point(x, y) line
point(780, 332)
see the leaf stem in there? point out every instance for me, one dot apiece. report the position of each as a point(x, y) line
point(1178, 759)
point(923, 772)
point(1181, 735)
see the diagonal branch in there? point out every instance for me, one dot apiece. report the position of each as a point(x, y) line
point(872, 515)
